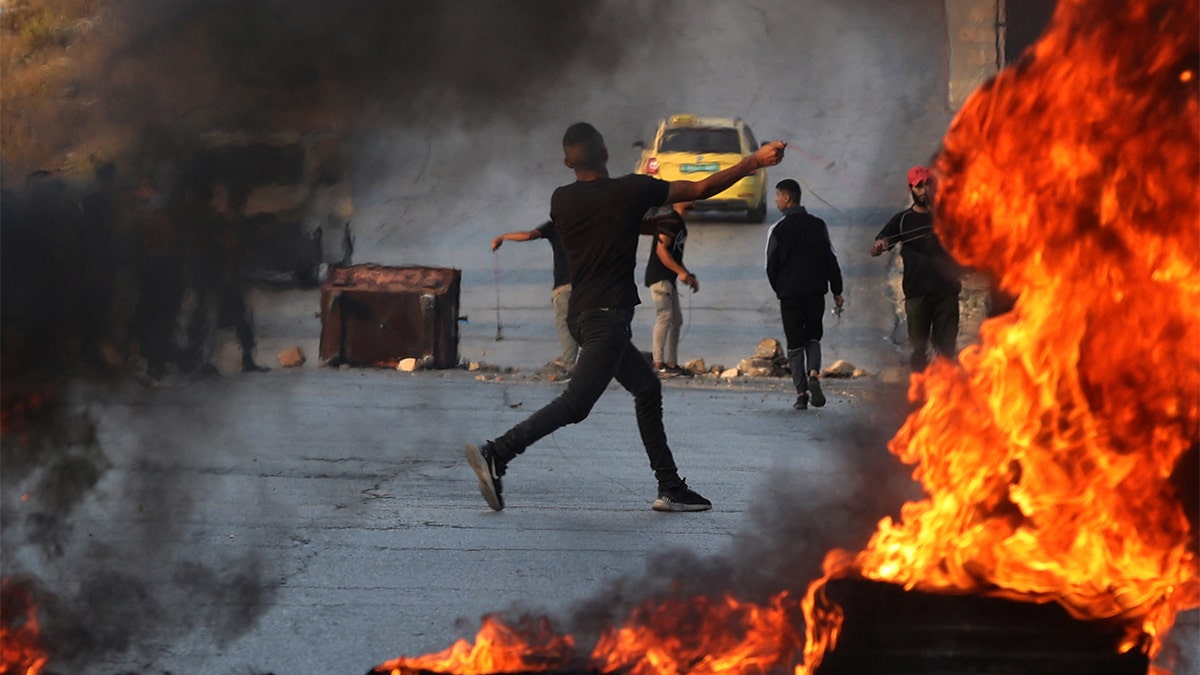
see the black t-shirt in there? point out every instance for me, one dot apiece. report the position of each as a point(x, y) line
point(672, 225)
point(546, 231)
point(598, 222)
point(928, 268)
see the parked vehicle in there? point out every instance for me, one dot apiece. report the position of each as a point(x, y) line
point(289, 190)
point(690, 147)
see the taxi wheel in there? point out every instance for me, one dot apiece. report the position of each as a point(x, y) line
point(757, 214)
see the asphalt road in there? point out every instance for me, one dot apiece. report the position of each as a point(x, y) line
point(325, 520)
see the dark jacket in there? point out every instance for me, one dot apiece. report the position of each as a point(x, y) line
point(800, 256)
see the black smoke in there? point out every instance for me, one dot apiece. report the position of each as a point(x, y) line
point(142, 73)
point(106, 228)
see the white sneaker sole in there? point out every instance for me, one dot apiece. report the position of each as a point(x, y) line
point(486, 487)
point(667, 506)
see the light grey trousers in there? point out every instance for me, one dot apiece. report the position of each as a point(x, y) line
point(668, 319)
point(561, 299)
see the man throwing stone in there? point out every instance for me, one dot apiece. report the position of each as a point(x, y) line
point(599, 219)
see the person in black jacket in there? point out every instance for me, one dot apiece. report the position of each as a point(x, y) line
point(802, 267)
point(932, 278)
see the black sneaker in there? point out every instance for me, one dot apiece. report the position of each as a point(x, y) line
point(801, 402)
point(665, 372)
point(814, 388)
point(488, 468)
point(681, 498)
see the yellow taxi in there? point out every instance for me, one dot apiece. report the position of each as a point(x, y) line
point(691, 147)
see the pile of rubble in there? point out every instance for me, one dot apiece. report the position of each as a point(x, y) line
point(769, 360)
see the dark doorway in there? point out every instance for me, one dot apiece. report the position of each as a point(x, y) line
point(1025, 20)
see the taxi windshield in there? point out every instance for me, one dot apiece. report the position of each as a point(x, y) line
point(700, 141)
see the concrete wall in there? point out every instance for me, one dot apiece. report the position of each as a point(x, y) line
point(975, 40)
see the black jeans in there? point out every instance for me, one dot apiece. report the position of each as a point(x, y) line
point(605, 352)
point(932, 318)
point(803, 327)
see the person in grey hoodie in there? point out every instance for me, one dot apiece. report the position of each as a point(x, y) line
point(802, 267)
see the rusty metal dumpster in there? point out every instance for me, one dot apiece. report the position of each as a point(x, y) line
point(373, 315)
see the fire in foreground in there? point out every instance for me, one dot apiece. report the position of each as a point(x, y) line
point(1047, 450)
point(21, 649)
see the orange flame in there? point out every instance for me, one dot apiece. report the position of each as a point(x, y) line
point(674, 636)
point(701, 636)
point(21, 651)
point(498, 648)
point(1047, 450)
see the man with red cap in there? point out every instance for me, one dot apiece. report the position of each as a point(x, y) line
point(932, 279)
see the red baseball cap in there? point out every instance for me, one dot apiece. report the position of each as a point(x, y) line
point(918, 174)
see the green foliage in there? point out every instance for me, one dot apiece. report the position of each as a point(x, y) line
point(45, 30)
point(37, 25)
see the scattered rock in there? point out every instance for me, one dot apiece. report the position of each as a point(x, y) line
point(408, 365)
point(768, 349)
point(555, 371)
point(729, 374)
point(757, 366)
point(839, 368)
point(292, 358)
point(695, 367)
point(754, 362)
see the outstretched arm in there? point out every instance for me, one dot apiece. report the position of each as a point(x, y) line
point(769, 154)
point(515, 236)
